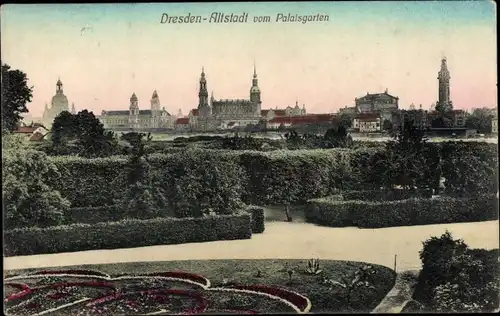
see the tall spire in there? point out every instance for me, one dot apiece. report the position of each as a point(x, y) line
point(254, 70)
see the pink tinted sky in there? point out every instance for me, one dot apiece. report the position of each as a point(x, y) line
point(364, 47)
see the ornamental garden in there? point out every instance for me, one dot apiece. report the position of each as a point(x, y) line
point(145, 193)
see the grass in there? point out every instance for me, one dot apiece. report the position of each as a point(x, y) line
point(272, 273)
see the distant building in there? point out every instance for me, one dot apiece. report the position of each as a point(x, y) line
point(418, 117)
point(367, 123)
point(290, 121)
point(34, 132)
point(58, 104)
point(347, 111)
point(383, 104)
point(134, 118)
point(494, 125)
point(444, 103)
point(182, 124)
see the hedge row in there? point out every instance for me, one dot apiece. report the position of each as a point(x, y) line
point(386, 195)
point(220, 178)
point(377, 214)
point(110, 213)
point(126, 234)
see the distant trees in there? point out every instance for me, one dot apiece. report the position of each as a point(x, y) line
point(480, 119)
point(86, 131)
point(387, 125)
point(404, 162)
point(15, 95)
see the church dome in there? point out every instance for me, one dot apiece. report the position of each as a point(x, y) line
point(254, 89)
point(60, 102)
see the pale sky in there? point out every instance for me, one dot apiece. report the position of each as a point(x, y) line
point(364, 47)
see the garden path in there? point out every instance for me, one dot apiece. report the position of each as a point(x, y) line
point(294, 240)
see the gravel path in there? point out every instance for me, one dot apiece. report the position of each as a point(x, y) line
point(289, 241)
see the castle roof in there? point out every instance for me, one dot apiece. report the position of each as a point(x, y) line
point(182, 121)
point(116, 113)
point(374, 96)
point(133, 97)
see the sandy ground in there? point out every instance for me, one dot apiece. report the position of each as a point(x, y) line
point(289, 241)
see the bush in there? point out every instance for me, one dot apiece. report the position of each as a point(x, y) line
point(455, 278)
point(370, 214)
point(386, 195)
point(125, 234)
point(257, 218)
point(28, 199)
point(92, 215)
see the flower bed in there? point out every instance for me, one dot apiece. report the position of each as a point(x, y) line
point(154, 293)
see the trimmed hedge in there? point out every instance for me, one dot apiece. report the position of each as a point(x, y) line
point(265, 178)
point(386, 195)
point(258, 218)
point(111, 213)
point(126, 234)
point(378, 214)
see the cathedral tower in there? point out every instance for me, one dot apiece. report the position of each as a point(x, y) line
point(203, 106)
point(444, 103)
point(255, 93)
point(155, 110)
point(134, 112)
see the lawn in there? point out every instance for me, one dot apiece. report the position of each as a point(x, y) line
point(205, 286)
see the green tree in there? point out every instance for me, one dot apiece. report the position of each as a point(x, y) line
point(28, 200)
point(64, 128)
point(480, 119)
point(144, 197)
point(15, 95)
point(87, 132)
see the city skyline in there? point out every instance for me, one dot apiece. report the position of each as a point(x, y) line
point(104, 55)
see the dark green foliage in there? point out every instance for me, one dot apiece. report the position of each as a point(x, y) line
point(455, 278)
point(92, 215)
point(480, 119)
point(85, 131)
point(257, 213)
point(469, 168)
point(125, 234)
point(378, 214)
point(27, 198)
point(15, 95)
point(385, 195)
point(275, 177)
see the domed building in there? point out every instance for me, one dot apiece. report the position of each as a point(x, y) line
point(58, 104)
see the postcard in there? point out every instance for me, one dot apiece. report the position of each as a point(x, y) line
point(250, 158)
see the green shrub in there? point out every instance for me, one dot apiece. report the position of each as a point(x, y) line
point(92, 215)
point(378, 214)
point(290, 177)
point(455, 278)
point(126, 234)
point(386, 195)
point(28, 199)
point(263, 178)
point(258, 218)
